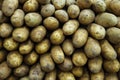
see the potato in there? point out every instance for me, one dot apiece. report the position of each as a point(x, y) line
point(70, 27)
point(38, 33)
point(57, 54)
point(17, 19)
point(62, 15)
point(67, 47)
point(67, 65)
point(111, 76)
point(14, 59)
point(118, 24)
point(92, 48)
point(97, 76)
point(46, 63)
point(59, 4)
point(4, 70)
point(80, 37)
point(33, 19)
point(108, 52)
point(20, 34)
point(51, 23)
point(107, 2)
point(43, 46)
point(10, 44)
point(96, 31)
point(83, 4)
point(79, 58)
point(3, 18)
point(12, 77)
point(5, 30)
point(99, 6)
point(86, 16)
point(21, 70)
point(44, 1)
point(3, 54)
point(47, 10)
point(77, 71)
point(73, 11)
point(69, 2)
point(117, 49)
point(30, 6)
point(95, 64)
point(26, 47)
point(24, 78)
point(106, 19)
point(51, 75)
point(8, 7)
point(66, 76)
point(36, 73)
point(85, 75)
point(113, 35)
point(111, 66)
point(57, 36)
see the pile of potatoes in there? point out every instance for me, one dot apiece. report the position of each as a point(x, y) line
point(59, 39)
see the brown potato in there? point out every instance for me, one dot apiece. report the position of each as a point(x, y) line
point(51, 75)
point(80, 37)
point(69, 2)
point(59, 4)
point(92, 48)
point(77, 71)
point(86, 16)
point(47, 10)
point(10, 44)
point(79, 58)
point(5, 30)
point(111, 76)
point(44, 1)
point(38, 33)
point(46, 63)
point(8, 7)
point(4, 70)
point(70, 27)
point(36, 73)
point(108, 52)
point(17, 19)
point(3, 54)
point(57, 54)
point(51, 23)
point(14, 59)
point(57, 36)
point(30, 6)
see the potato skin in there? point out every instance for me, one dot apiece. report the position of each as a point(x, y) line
point(77, 71)
point(69, 2)
point(51, 75)
point(111, 76)
point(59, 4)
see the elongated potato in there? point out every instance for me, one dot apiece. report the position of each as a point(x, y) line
point(51, 75)
point(59, 4)
point(111, 76)
point(77, 71)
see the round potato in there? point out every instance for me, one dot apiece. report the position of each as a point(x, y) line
point(77, 71)
point(51, 75)
point(3, 54)
point(111, 76)
point(59, 4)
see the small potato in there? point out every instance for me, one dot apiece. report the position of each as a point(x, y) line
point(85, 75)
point(57, 37)
point(62, 15)
point(4, 70)
point(96, 31)
point(111, 76)
point(67, 65)
point(3, 54)
point(73, 11)
point(20, 34)
point(95, 64)
point(106, 19)
point(24, 78)
point(21, 71)
point(51, 75)
point(36, 73)
point(17, 19)
point(57, 54)
point(86, 16)
point(111, 66)
point(30, 6)
point(26, 47)
point(12, 77)
point(67, 47)
point(51, 23)
point(5, 30)
point(46, 63)
point(14, 59)
point(69, 2)
point(118, 24)
point(31, 58)
point(80, 37)
point(10, 44)
point(77, 71)
point(66, 76)
point(92, 48)
point(33, 19)
point(70, 27)
point(9, 6)
point(47, 10)
point(113, 35)
point(79, 58)
point(108, 52)
point(38, 33)
point(59, 4)
point(44, 1)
